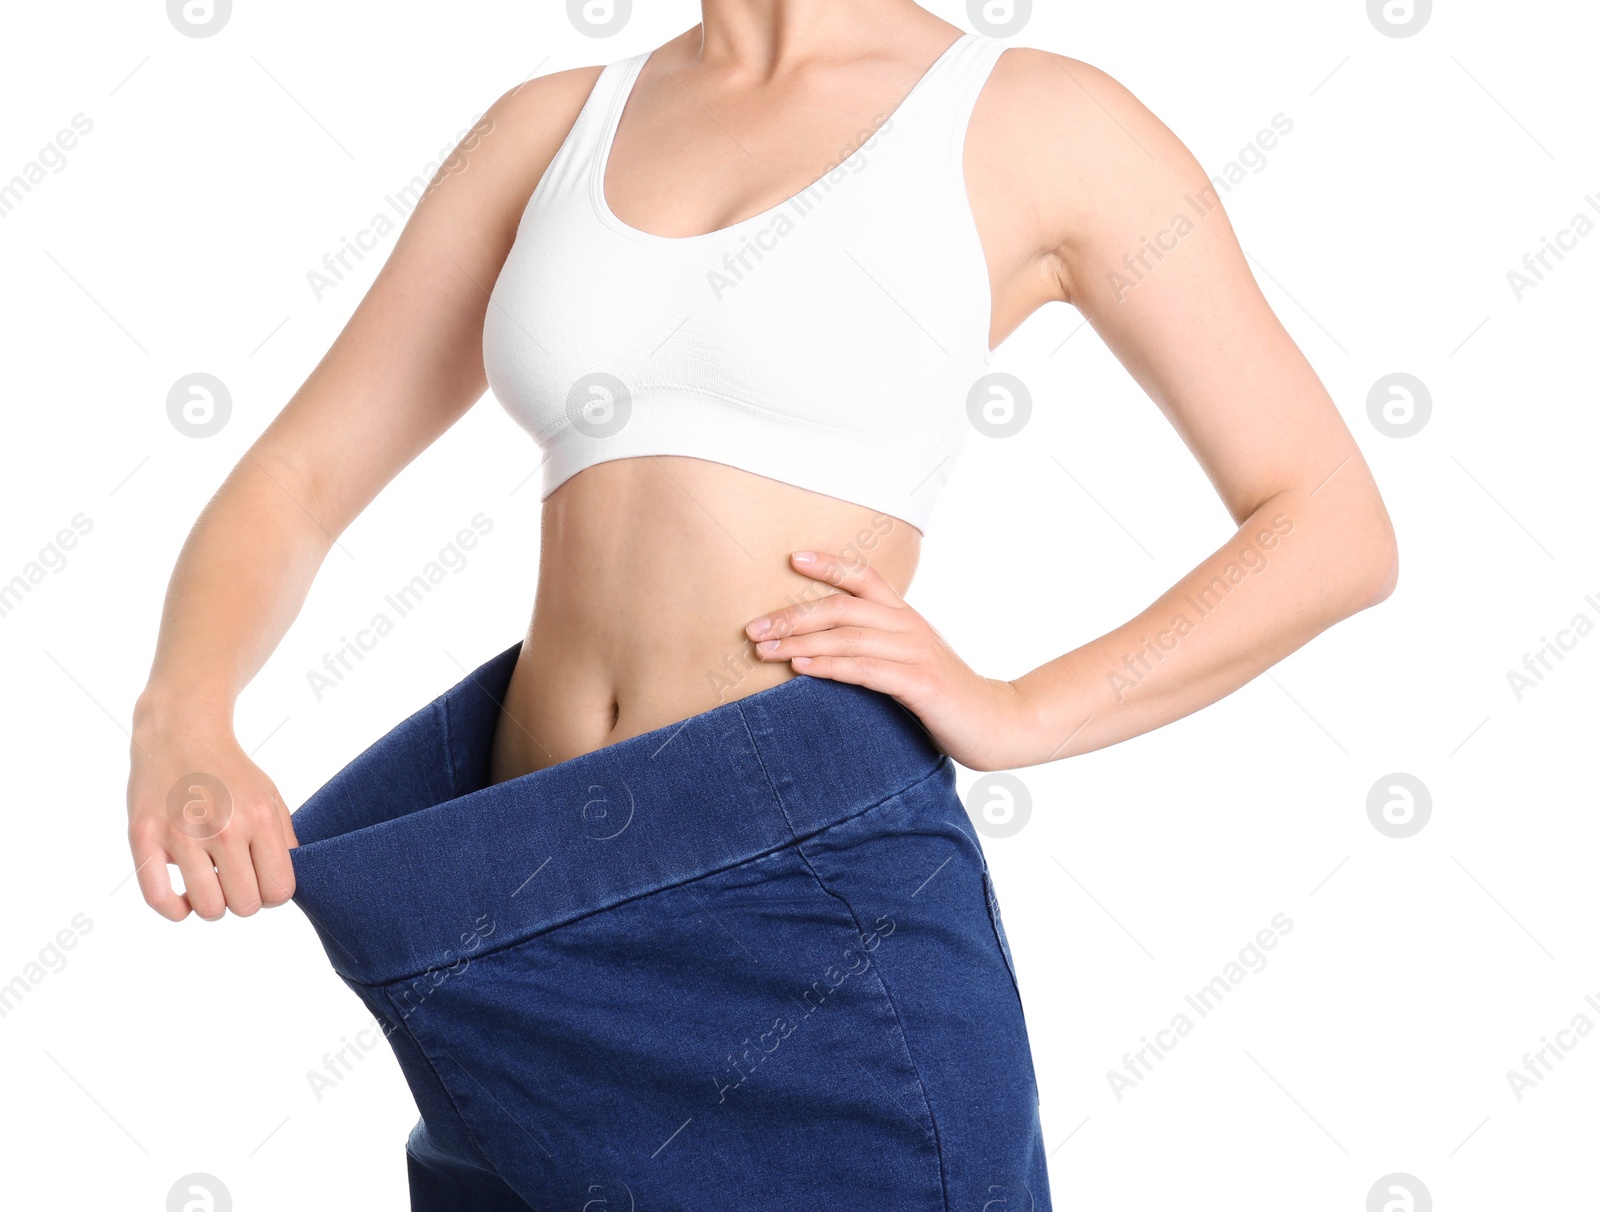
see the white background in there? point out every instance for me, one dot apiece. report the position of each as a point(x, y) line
point(1418, 972)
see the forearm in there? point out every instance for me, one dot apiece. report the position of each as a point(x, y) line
point(239, 581)
point(1295, 567)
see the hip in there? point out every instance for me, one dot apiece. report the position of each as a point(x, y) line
point(758, 949)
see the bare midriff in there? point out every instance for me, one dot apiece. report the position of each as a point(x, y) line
point(649, 570)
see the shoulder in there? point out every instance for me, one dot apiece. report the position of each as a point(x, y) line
point(493, 169)
point(534, 118)
point(1063, 102)
point(549, 101)
point(1090, 161)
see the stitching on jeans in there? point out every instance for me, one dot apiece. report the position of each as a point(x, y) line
point(992, 905)
point(755, 748)
point(888, 994)
point(466, 1127)
point(934, 771)
point(900, 1028)
point(449, 745)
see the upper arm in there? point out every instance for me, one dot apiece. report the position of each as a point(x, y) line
point(409, 362)
point(1146, 252)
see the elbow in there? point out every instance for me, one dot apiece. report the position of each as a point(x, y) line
point(1379, 565)
point(1384, 585)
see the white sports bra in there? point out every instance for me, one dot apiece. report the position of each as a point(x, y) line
point(830, 342)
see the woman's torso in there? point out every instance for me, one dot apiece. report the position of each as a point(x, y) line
point(653, 561)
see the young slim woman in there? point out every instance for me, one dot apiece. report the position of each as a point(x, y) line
point(652, 911)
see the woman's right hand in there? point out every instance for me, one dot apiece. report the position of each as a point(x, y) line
point(194, 797)
point(197, 800)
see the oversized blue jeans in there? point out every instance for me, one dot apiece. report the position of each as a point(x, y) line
point(751, 960)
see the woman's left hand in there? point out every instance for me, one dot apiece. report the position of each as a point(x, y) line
point(867, 635)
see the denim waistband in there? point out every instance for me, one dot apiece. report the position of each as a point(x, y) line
point(409, 863)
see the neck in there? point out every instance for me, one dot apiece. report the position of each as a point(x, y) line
point(769, 37)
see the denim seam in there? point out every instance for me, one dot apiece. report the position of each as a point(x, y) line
point(466, 1125)
point(992, 906)
point(888, 993)
point(449, 744)
point(755, 748)
point(900, 1029)
point(777, 795)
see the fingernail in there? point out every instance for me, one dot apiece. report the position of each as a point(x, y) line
point(759, 627)
point(767, 645)
point(802, 661)
point(805, 557)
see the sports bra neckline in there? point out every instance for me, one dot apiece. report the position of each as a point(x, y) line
point(837, 342)
point(613, 120)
